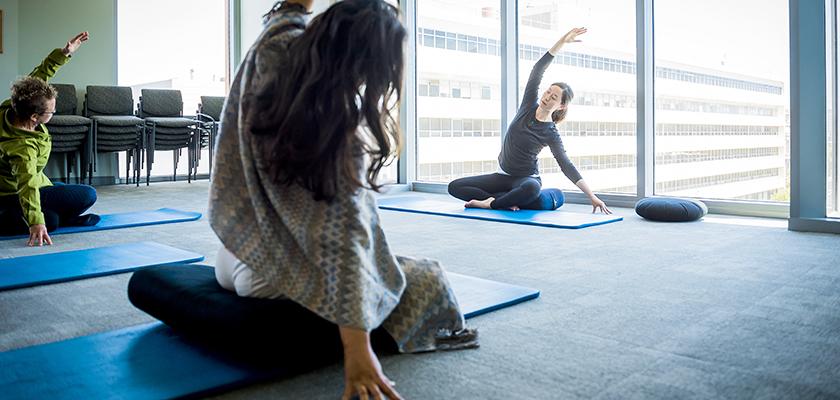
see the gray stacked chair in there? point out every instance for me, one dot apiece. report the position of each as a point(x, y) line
point(167, 129)
point(70, 133)
point(210, 113)
point(115, 128)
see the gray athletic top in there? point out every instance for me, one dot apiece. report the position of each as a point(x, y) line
point(527, 136)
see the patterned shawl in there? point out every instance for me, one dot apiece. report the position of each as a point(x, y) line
point(332, 258)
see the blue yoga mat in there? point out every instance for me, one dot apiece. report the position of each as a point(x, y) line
point(553, 219)
point(127, 220)
point(42, 269)
point(153, 362)
point(478, 296)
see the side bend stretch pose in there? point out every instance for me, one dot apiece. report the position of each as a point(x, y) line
point(29, 202)
point(305, 130)
point(517, 184)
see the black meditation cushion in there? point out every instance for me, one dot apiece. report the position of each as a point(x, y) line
point(189, 299)
point(671, 209)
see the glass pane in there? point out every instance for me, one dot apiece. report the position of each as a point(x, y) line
point(460, 63)
point(832, 148)
point(190, 38)
point(389, 173)
point(722, 99)
point(599, 132)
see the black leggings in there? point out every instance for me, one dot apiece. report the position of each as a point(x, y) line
point(508, 191)
point(61, 204)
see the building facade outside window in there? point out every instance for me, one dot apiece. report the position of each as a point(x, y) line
point(458, 87)
point(722, 87)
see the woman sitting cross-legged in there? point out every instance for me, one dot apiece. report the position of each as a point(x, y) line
point(517, 184)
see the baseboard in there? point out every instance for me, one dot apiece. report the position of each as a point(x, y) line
point(97, 180)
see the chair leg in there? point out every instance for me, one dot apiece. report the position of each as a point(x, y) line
point(66, 168)
point(92, 153)
point(150, 154)
point(191, 158)
point(137, 164)
point(211, 146)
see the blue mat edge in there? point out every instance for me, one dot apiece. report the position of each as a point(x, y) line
point(509, 221)
point(95, 275)
point(73, 229)
point(76, 229)
point(506, 304)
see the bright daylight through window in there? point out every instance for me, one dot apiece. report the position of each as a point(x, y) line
point(722, 99)
point(183, 49)
point(458, 93)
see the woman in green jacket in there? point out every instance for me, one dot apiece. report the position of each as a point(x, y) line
point(29, 202)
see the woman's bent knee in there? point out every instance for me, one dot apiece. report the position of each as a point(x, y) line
point(89, 193)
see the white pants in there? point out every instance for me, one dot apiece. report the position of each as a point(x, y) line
point(234, 275)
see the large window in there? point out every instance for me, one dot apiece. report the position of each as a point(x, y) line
point(721, 86)
point(599, 133)
point(458, 93)
point(182, 48)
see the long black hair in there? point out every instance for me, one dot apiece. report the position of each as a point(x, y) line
point(559, 115)
point(343, 71)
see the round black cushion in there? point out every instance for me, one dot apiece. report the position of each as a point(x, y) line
point(671, 209)
point(188, 299)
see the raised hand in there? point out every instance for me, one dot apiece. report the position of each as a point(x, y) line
point(74, 43)
point(571, 36)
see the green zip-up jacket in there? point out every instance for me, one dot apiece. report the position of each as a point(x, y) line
point(23, 154)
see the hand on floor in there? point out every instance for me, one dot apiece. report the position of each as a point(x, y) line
point(599, 204)
point(38, 235)
point(363, 377)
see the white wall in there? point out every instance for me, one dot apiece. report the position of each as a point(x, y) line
point(9, 58)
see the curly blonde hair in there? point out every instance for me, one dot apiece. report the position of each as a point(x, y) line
point(30, 96)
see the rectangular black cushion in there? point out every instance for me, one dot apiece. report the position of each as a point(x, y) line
point(189, 299)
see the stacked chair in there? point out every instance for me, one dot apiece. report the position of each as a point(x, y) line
point(209, 114)
point(167, 129)
point(71, 134)
point(115, 128)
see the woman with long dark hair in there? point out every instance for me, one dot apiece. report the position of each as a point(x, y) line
point(517, 184)
point(306, 129)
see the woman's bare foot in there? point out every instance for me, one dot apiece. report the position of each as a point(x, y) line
point(480, 203)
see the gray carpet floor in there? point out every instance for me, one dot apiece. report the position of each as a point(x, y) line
point(723, 308)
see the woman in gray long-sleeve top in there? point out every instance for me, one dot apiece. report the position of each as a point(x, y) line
point(517, 184)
